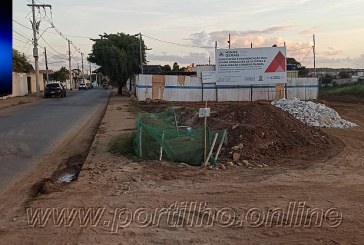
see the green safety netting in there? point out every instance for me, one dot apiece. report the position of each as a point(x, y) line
point(179, 143)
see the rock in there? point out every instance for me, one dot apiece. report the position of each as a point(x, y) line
point(313, 114)
point(235, 126)
point(236, 156)
point(239, 164)
point(246, 162)
point(222, 166)
point(231, 164)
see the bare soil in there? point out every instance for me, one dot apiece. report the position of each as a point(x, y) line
point(330, 180)
point(17, 101)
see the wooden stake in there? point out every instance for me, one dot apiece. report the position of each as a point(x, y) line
point(161, 148)
point(211, 149)
point(205, 140)
point(220, 146)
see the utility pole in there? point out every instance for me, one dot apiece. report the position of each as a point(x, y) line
point(314, 54)
point(140, 51)
point(90, 73)
point(82, 68)
point(45, 54)
point(69, 63)
point(35, 27)
point(229, 41)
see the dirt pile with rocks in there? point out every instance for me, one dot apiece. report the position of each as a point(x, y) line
point(261, 133)
point(313, 114)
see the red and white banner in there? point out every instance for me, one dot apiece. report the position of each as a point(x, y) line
point(245, 66)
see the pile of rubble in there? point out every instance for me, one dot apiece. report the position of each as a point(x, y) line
point(313, 114)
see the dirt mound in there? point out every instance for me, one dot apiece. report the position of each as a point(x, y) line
point(260, 132)
point(257, 132)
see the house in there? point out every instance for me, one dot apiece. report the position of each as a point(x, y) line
point(25, 83)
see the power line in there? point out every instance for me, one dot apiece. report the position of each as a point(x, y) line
point(19, 40)
point(306, 55)
point(20, 34)
point(178, 44)
point(22, 25)
point(52, 47)
point(298, 49)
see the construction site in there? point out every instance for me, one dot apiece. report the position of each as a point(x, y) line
point(235, 153)
point(276, 176)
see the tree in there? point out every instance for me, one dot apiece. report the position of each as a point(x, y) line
point(302, 71)
point(20, 63)
point(175, 66)
point(344, 74)
point(118, 56)
point(166, 68)
point(60, 75)
point(326, 79)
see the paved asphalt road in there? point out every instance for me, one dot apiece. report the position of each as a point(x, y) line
point(30, 132)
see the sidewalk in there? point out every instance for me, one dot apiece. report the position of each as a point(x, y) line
point(19, 100)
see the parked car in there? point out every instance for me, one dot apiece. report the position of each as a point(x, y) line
point(82, 86)
point(89, 85)
point(55, 89)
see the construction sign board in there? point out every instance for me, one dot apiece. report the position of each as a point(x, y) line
point(246, 66)
point(208, 76)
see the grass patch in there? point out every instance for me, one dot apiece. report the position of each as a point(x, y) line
point(122, 144)
point(356, 90)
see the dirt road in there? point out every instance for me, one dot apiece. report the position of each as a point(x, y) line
point(118, 200)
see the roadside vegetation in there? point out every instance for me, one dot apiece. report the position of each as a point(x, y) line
point(354, 89)
point(122, 144)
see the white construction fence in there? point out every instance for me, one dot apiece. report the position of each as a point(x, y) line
point(191, 88)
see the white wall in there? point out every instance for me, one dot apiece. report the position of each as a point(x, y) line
point(20, 87)
point(191, 90)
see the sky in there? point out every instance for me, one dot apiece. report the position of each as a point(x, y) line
point(185, 31)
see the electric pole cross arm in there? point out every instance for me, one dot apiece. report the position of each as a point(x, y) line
point(40, 5)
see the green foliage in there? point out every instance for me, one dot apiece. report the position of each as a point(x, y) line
point(20, 63)
point(326, 79)
point(166, 68)
point(118, 55)
point(122, 144)
point(60, 75)
point(303, 72)
point(344, 74)
point(354, 89)
point(175, 66)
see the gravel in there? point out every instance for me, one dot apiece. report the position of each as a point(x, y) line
point(313, 114)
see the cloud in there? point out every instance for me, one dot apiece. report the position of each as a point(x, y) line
point(357, 62)
point(309, 31)
point(197, 58)
point(244, 38)
point(331, 51)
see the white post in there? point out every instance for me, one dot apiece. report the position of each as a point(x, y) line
point(220, 146)
point(211, 149)
point(161, 149)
